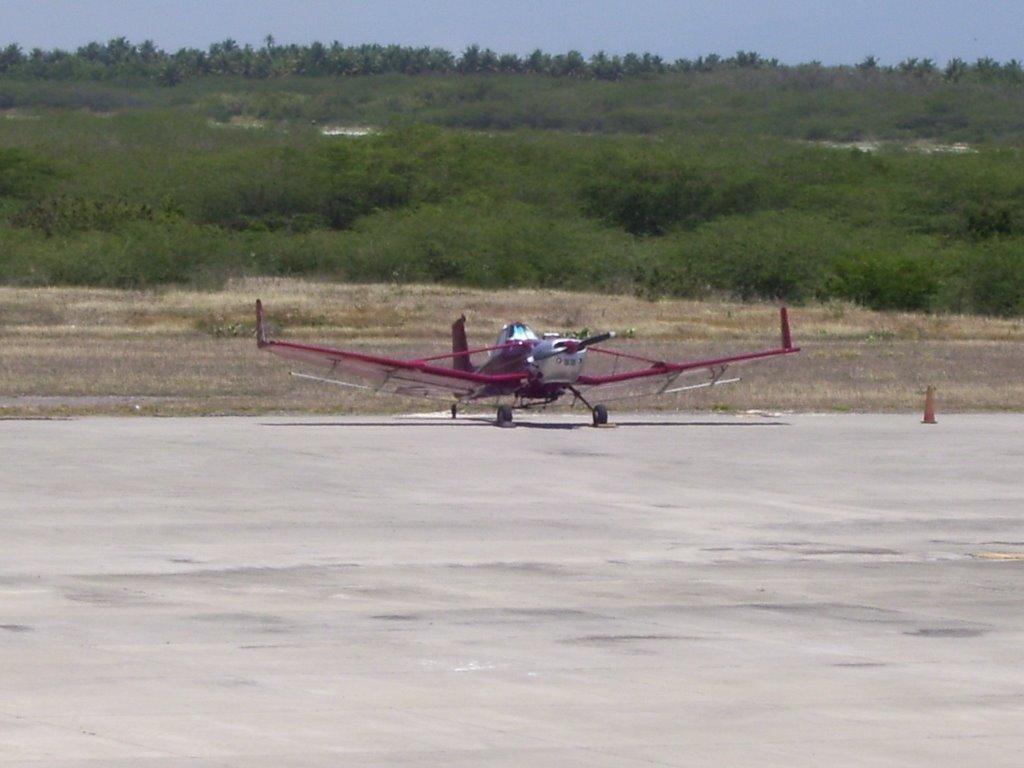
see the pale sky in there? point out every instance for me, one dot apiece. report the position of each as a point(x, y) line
point(797, 31)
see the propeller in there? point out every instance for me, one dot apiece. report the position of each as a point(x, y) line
point(595, 339)
point(573, 345)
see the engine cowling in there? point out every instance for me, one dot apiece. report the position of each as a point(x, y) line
point(558, 361)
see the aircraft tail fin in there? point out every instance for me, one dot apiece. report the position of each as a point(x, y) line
point(787, 336)
point(460, 346)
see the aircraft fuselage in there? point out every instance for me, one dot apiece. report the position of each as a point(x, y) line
point(553, 363)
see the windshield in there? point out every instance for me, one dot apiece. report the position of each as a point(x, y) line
point(516, 332)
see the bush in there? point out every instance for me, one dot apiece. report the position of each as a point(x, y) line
point(23, 173)
point(140, 255)
point(883, 281)
point(993, 279)
point(768, 255)
point(645, 200)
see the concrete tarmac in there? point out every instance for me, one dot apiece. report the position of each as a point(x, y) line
point(682, 590)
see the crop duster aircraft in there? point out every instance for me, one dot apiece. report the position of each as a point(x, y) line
point(521, 369)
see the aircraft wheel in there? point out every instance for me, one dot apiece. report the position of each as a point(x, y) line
point(504, 415)
point(600, 415)
point(455, 410)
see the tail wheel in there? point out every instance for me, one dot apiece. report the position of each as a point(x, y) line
point(504, 415)
point(600, 415)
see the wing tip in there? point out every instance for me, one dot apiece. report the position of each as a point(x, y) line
point(787, 334)
point(261, 331)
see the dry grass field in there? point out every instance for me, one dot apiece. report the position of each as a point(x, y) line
point(67, 351)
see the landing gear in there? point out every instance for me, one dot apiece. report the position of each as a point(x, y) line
point(504, 416)
point(598, 412)
point(455, 410)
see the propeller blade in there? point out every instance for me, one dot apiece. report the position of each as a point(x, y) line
point(595, 339)
point(572, 346)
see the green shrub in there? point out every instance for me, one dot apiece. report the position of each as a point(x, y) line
point(884, 281)
point(23, 172)
point(993, 278)
point(140, 255)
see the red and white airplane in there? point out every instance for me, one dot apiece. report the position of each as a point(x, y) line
point(521, 369)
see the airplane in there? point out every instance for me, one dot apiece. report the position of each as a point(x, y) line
point(521, 369)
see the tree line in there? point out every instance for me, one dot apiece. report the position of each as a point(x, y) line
point(120, 58)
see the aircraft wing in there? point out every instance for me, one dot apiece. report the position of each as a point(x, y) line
point(414, 378)
point(658, 377)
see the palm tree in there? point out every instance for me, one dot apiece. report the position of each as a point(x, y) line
point(11, 57)
point(470, 61)
point(149, 52)
point(538, 63)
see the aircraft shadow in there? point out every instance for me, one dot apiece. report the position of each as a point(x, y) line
point(471, 421)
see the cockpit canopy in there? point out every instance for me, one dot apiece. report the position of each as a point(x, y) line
point(516, 332)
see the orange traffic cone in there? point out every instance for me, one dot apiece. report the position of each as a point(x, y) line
point(929, 406)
